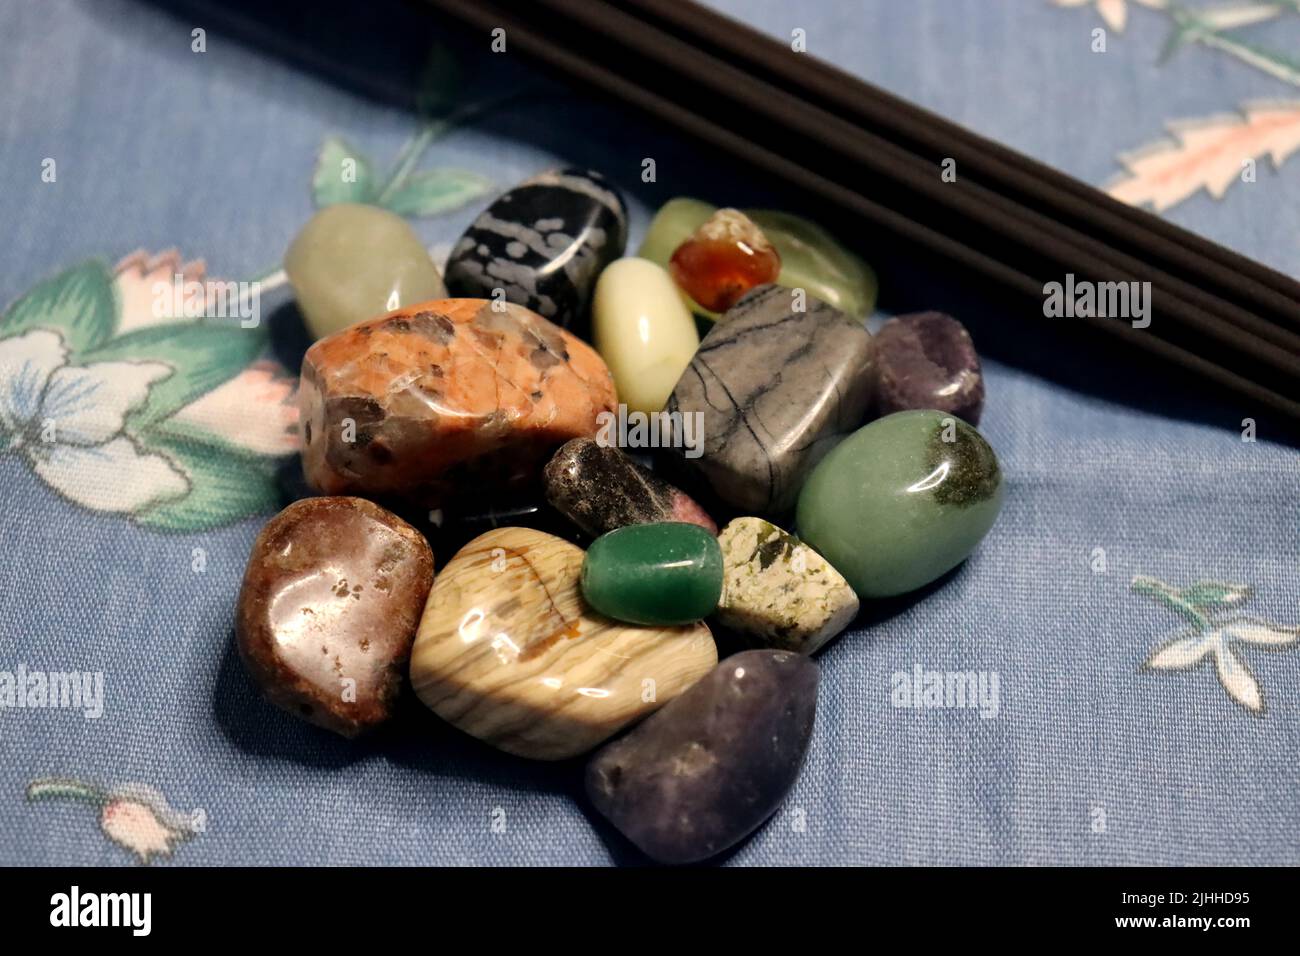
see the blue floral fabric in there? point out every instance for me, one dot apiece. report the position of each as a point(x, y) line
point(1136, 605)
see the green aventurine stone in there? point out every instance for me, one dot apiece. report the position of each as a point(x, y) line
point(810, 258)
point(664, 573)
point(901, 501)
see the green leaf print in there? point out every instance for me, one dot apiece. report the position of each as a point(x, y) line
point(343, 174)
point(437, 191)
point(227, 485)
point(1211, 595)
point(202, 355)
point(78, 303)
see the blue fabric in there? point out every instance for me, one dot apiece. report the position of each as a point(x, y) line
point(1090, 759)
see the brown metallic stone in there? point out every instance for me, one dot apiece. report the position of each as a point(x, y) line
point(331, 598)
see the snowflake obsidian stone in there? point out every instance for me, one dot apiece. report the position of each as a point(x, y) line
point(543, 244)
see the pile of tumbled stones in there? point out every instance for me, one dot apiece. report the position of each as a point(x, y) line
point(462, 401)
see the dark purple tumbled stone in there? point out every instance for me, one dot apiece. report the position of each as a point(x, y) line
point(704, 772)
point(927, 360)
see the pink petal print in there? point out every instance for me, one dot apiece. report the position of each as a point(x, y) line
point(1114, 12)
point(136, 278)
point(135, 827)
point(256, 410)
point(1208, 153)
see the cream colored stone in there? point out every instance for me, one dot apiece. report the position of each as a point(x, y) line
point(353, 262)
point(778, 590)
point(508, 652)
point(643, 331)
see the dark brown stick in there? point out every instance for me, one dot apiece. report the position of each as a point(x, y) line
point(1223, 272)
point(765, 113)
point(839, 203)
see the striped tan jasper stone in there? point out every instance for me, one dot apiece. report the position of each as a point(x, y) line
point(508, 652)
point(778, 591)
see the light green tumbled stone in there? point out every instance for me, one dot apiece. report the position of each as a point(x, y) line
point(671, 225)
point(352, 262)
point(811, 259)
point(901, 501)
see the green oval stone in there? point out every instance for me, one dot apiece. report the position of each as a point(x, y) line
point(901, 501)
point(664, 573)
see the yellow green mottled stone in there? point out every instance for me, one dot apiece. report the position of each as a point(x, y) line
point(777, 591)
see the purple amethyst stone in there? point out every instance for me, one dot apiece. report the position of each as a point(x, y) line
point(700, 775)
point(927, 360)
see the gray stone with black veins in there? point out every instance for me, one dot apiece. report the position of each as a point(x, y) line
point(777, 388)
point(543, 244)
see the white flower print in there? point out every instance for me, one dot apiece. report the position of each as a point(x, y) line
point(68, 420)
point(1213, 634)
point(1113, 12)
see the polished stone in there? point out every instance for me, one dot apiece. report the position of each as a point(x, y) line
point(508, 651)
point(543, 244)
point(901, 501)
point(599, 488)
point(331, 597)
point(664, 573)
point(723, 259)
point(775, 387)
point(352, 262)
point(643, 331)
point(445, 399)
point(777, 591)
point(706, 771)
point(811, 259)
point(927, 360)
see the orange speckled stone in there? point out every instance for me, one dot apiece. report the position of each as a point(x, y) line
point(445, 396)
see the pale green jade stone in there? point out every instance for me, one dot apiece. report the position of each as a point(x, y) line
point(811, 259)
point(670, 227)
point(352, 262)
point(901, 501)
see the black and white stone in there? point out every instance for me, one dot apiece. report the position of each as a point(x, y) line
point(543, 244)
point(777, 387)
